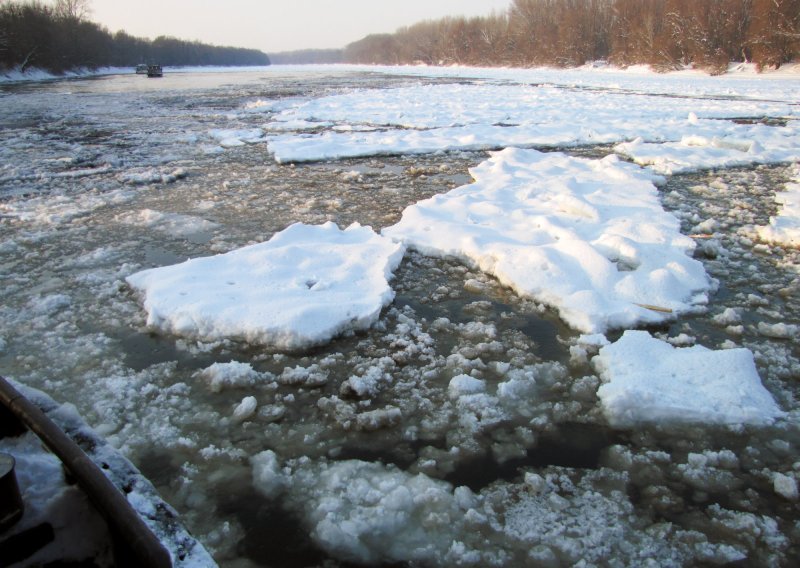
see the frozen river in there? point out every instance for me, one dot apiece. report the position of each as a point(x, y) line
point(467, 425)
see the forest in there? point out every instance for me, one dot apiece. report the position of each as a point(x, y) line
point(59, 37)
point(667, 34)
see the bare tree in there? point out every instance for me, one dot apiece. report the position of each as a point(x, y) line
point(73, 9)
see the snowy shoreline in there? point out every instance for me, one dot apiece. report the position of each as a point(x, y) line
point(742, 70)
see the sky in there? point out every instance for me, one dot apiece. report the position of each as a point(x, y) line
point(277, 25)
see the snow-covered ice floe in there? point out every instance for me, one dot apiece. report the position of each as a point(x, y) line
point(416, 120)
point(649, 380)
point(304, 286)
point(708, 144)
point(588, 237)
point(784, 228)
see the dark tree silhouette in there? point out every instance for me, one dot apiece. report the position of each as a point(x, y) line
point(59, 38)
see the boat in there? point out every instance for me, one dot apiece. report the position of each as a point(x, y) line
point(141, 69)
point(72, 482)
point(154, 71)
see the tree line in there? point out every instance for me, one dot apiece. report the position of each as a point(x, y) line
point(667, 34)
point(59, 37)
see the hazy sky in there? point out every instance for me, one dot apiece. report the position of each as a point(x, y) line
point(277, 25)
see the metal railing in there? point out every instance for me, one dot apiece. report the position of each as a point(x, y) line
point(124, 522)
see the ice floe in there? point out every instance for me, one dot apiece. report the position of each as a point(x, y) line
point(230, 138)
point(648, 380)
point(784, 228)
point(588, 237)
point(717, 146)
point(304, 286)
point(415, 120)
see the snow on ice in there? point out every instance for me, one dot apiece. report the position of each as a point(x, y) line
point(173, 224)
point(304, 286)
point(784, 228)
point(588, 237)
point(717, 144)
point(648, 380)
point(415, 120)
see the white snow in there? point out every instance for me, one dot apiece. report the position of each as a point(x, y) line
point(648, 380)
point(717, 144)
point(267, 475)
point(465, 385)
point(588, 237)
point(152, 175)
point(230, 138)
point(414, 120)
point(784, 228)
point(304, 286)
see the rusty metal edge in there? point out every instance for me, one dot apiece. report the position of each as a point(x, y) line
point(106, 497)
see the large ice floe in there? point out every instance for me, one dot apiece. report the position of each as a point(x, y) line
point(648, 380)
point(304, 286)
point(588, 237)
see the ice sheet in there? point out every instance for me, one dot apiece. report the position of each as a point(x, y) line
point(648, 380)
point(588, 237)
point(415, 120)
point(304, 286)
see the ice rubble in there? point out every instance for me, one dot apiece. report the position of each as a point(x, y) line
point(648, 380)
point(174, 224)
point(304, 286)
point(371, 513)
point(231, 138)
point(784, 228)
point(588, 237)
point(367, 512)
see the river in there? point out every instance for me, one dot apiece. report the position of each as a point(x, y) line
point(101, 177)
